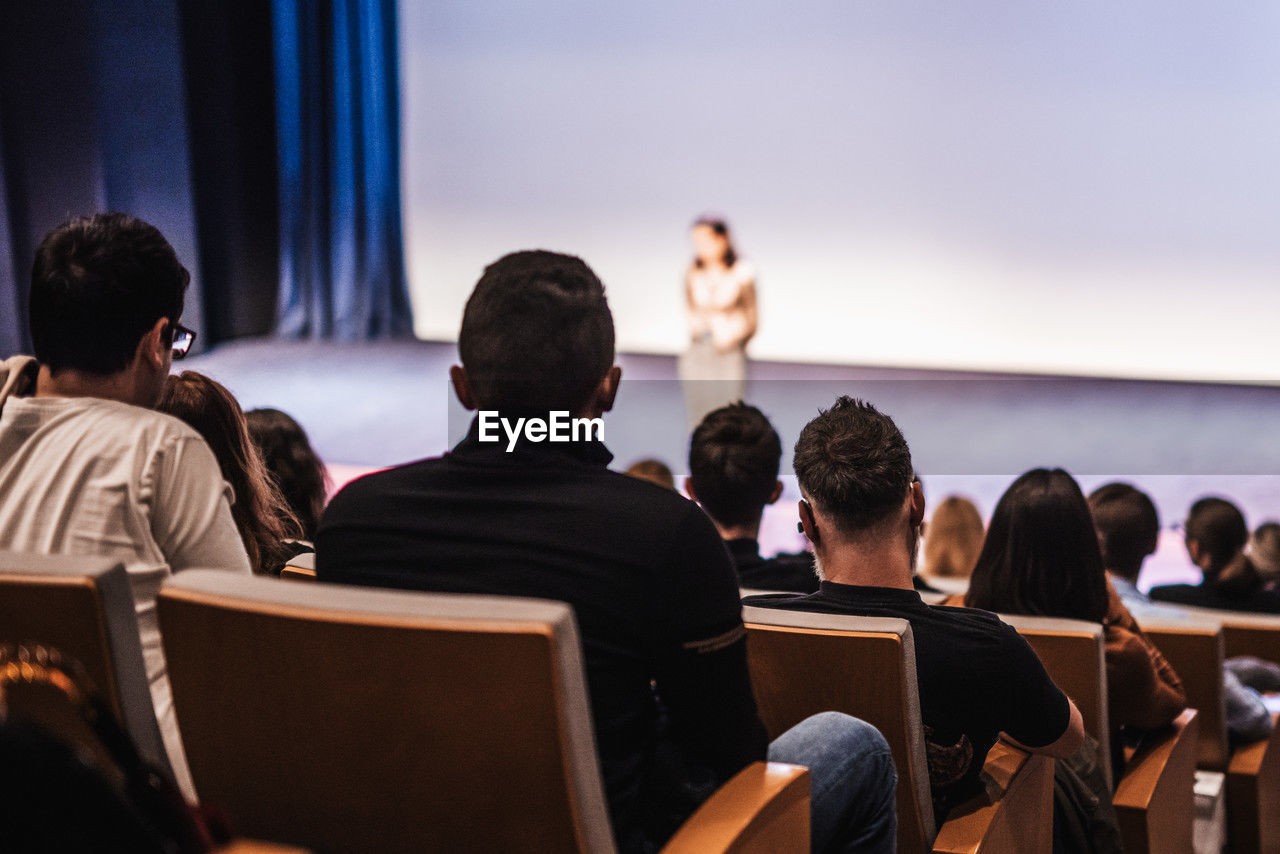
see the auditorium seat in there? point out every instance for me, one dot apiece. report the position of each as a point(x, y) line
point(1195, 648)
point(83, 606)
point(803, 663)
point(1155, 798)
point(354, 719)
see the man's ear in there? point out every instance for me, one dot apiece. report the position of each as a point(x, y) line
point(776, 494)
point(608, 389)
point(917, 504)
point(462, 387)
point(1196, 553)
point(688, 489)
point(155, 345)
point(808, 524)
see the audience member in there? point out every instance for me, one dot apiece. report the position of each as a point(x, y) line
point(1264, 551)
point(1041, 558)
point(86, 468)
point(1216, 534)
point(734, 458)
point(266, 524)
point(654, 471)
point(1128, 527)
point(293, 464)
point(952, 541)
point(862, 510)
point(652, 587)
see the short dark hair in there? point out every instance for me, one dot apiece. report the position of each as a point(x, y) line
point(98, 285)
point(854, 464)
point(537, 334)
point(734, 456)
point(1041, 554)
point(1128, 527)
point(1219, 527)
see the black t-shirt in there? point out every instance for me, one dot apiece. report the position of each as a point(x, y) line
point(650, 582)
point(976, 675)
point(793, 573)
point(1207, 595)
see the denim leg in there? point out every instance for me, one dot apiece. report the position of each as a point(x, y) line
point(852, 782)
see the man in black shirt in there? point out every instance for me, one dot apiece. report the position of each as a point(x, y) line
point(862, 510)
point(734, 457)
point(521, 508)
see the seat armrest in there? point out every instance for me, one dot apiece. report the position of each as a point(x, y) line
point(1253, 794)
point(1014, 814)
point(1154, 800)
point(764, 808)
point(254, 846)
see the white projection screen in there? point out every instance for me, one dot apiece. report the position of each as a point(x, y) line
point(1080, 188)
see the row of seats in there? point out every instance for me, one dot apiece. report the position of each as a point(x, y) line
point(347, 719)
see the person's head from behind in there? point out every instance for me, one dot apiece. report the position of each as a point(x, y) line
point(857, 482)
point(953, 538)
point(712, 243)
point(293, 464)
point(261, 515)
point(734, 456)
point(1264, 550)
point(106, 296)
point(1041, 554)
point(654, 471)
point(537, 336)
point(1128, 527)
point(1215, 534)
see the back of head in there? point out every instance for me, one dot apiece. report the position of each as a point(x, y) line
point(1264, 549)
point(854, 465)
point(293, 464)
point(98, 285)
point(954, 538)
point(260, 513)
point(734, 456)
point(1128, 527)
point(654, 471)
point(537, 334)
point(1041, 554)
point(1220, 532)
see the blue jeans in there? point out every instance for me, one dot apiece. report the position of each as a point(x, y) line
point(852, 781)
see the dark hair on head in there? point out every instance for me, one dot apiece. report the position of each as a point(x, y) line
point(1128, 527)
point(294, 466)
point(98, 285)
point(721, 229)
point(537, 334)
point(854, 464)
point(261, 515)
point(1219, 528)
point(1041, 555)
point(734, 456)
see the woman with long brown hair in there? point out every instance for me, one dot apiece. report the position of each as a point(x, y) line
point(263, 518)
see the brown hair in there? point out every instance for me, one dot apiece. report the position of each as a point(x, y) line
point(953, 539)
point(260, 512)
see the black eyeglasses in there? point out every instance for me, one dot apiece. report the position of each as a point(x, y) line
point(183, 338)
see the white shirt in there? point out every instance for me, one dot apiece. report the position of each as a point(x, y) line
point(85, 476)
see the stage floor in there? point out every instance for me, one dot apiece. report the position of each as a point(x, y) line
point(372, 405)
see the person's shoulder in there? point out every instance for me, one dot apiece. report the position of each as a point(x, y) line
point(744, 271)
point(787, 601)
point(128, 423)
point(393, 478)
point(652, 496)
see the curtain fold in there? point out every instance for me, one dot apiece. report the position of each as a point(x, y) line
point(341, 257)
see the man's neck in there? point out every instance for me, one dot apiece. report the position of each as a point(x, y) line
point(70, 383)
point(886, 563)
point(1123, 576)
point(749, 531)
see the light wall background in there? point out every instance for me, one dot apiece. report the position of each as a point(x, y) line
point(1082, 188)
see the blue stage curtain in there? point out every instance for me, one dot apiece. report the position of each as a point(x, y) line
point(341, 259)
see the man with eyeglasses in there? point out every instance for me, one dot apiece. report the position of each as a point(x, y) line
point(86, 466)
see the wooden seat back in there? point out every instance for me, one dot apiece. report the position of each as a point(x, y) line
point(348, 719)
point(84, 608)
